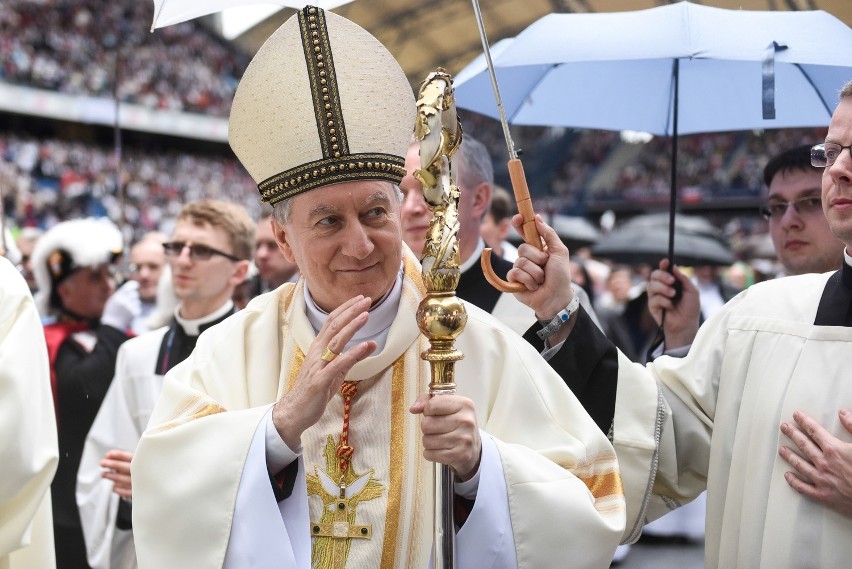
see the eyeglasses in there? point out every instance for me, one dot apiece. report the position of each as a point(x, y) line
point(803, 206)
point(824, 155)
point(196, 252)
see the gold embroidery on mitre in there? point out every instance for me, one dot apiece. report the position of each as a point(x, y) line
point(323, 78)
point(340, 492)
point(331, 170)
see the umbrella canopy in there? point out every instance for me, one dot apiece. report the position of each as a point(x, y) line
point(169, 12)
point(637, 245)
point(574, 231)
point(694, 224)
point(616, 71)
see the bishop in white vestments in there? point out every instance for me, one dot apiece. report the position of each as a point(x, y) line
point(299, 433)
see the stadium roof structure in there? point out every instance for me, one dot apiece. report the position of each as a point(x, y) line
point(425, 34)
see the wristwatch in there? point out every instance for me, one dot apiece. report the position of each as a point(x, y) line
point(551, 326)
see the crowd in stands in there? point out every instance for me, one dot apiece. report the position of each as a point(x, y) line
point(71, 46)
point(710, 166)
point(45, 181)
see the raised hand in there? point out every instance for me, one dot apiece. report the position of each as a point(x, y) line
point(323, 371)
point(545, 273)
point(123, 306)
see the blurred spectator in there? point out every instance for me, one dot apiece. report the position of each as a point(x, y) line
point(53, 179)
point(272, 267)
point(27, 239)
point(147, 259)
point(497, 223)
point(72, 263)
point(72, 47)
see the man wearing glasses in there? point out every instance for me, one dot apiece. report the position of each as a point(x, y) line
point(209, 255)
point(799, 229)
point(803, 240)
point(775, 356)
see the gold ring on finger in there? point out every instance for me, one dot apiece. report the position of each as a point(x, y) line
point(328, 355)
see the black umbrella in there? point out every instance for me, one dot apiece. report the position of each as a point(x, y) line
point(649, 244)
point(683, 224)
point(574, 231)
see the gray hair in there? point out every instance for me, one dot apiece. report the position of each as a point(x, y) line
point(281, 210)
point(846, 91)
point(474, 164)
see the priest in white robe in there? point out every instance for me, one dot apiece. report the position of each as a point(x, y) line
point(204, 285)
point(28, 451)
point(724, 417)
point(299, 433)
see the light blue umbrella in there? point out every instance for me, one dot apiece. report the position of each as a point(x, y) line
point(618, 71)
point(676, 69)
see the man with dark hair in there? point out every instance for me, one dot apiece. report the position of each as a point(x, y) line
point(799, 229)
point(803, 240)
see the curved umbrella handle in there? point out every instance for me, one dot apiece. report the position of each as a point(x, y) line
point(531, 236)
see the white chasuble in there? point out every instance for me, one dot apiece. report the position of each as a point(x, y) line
point(28, 449)
point(750, 367)
point(557, 474)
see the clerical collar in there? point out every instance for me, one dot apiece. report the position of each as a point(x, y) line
point(382, 315)
point(846, 272)
point(193, 327)
point(474, 257)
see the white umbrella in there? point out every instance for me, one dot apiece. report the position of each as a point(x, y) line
point(168, 12)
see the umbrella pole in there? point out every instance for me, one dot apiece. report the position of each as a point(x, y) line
point(516, 174)
point(673, 188)
point(661, 336)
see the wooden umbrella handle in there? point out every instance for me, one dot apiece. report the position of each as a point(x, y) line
point(531, 236)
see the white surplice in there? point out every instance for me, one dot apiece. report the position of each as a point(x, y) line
point(120, 422)
point(557, 470)
point(716, 415)
point(28, 446)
